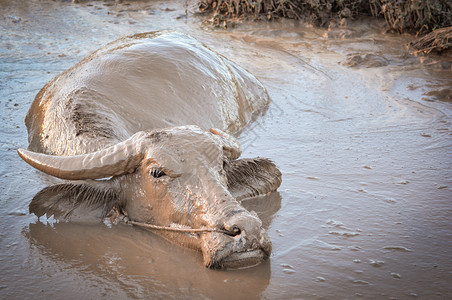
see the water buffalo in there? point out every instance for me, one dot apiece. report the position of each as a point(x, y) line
point(152, 115)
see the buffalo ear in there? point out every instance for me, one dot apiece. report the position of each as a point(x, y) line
point(250, 177)
point(86, 200)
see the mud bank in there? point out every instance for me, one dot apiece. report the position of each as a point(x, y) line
point(360, 129)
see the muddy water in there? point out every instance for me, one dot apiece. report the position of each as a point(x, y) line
point(359, 128)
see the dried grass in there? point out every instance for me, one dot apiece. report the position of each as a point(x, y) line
point(318, 12)
point(418, 16)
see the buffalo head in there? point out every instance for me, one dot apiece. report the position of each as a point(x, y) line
point(179, 177)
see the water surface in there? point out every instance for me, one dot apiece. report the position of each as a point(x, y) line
point(359, 128)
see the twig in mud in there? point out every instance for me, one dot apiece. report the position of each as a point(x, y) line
point(438, 40)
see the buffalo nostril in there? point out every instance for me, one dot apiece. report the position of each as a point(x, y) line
point(232, 230)
point(236, 230)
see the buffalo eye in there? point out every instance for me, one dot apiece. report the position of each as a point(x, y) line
point(156, 173)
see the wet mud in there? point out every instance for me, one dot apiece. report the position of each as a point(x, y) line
point(359, 128)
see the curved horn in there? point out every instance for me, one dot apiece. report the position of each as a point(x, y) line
point(119, 159)
point(231, 145)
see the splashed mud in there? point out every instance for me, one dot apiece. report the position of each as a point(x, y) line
point(359, 128)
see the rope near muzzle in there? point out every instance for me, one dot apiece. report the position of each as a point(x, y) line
point(186, 230)
point(117, 215)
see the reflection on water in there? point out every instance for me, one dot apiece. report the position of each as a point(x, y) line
point(360, 129)
point(134, 263)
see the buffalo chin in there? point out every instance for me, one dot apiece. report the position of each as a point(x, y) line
point(221, 251)
point(242, 260)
